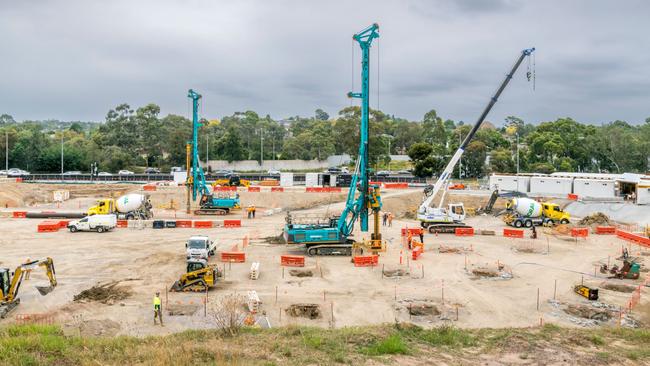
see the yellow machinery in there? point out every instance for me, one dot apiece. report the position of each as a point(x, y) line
point(586, 292)
point(231, 181)
point(198, 278)
point(375, 244)
point(10, 283)
point(525, 212)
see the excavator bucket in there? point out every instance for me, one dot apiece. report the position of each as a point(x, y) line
point(176, 287)
point(44, 290)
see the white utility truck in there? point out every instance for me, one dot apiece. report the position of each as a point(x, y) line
point(200, 247)
point(98, 223)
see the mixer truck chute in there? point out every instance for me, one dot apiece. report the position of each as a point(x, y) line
point(128, 207)
point(525, 212)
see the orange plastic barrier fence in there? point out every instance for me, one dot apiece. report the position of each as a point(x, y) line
point(412, 230)
point(184, 223)
point(513, 233)
point(48, 226)
point(417, 252)
point(63, 223)
point(253, 189)
point(323, 189)
point(416, 244)
point(202, 224)
point(292, 260)
point(231, 223)
point(579, 232)
point(20, 214)
point(236, 257)
point(375, 183)
point(277, 189)
point(225, 188)
point(602, 230)
point(366, 261)
point(464, 231)
point(396, 185)
point(270, 182)
point(638, 239)
point(19, 180)
point(122, 223)
point(149, 187)
point(572, 197)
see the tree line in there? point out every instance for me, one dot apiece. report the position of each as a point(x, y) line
point(137, 138)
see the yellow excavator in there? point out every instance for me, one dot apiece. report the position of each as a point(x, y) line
point(199, 277)
point(10, 283)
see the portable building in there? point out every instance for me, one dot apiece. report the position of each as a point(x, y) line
point(286, 179)
point(311, 179)
point(597, 188)
point(554, 186)
point(509, 183)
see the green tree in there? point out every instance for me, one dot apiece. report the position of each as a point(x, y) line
point(321, 115)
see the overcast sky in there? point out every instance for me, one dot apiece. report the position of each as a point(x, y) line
point(76, 59)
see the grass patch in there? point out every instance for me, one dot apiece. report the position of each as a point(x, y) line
point(597, 340)
point(393, 345)
point(441, 336)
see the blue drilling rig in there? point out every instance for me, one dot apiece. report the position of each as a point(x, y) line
point(332, 237)
point(209, 204)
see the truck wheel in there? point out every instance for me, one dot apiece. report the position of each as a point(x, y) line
point(564, 221)
point(130, 217)
point(424, 224)
point(550, 223)
point(100, 229)
point(528, 223)
point(73, 229)
point(518, 223)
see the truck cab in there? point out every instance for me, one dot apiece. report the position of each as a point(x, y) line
point(103, 207)
point(553, 212)
point(200, 247)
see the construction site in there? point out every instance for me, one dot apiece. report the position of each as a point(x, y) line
point(330, 251)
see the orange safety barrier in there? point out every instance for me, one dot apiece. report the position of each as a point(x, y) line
point(20, 214)
point(375, 183)
point(464, 231)
point(413, 230)
point(269, 183)
point(513, 233)
point(579, 232)
point(231, 223)
point(149, 187)
point(19, 180)
point(48, 226)
point(235, 257)
point(277, 189)
point(122, 223)
point(184, 223)
point(396, 185)
point(416, 244)
point(417, 252)
point(292, 260)
point(225, 188)
point(366, 261)
point(313, 189)
point(202, 224)
point(602, 230)
point(253, 189)
point(572, 197)
point(638, 239)
point(63, 223)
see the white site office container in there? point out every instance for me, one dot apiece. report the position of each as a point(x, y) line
point(286, 179)
point(643, 192)
point(60, 196)
point(509, 183)
point(311, 179)
point(597, 188)
point(554, 186)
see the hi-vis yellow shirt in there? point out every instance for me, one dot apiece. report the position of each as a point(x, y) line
point(156, 302)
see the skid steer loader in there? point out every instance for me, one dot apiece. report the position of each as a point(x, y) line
point(199, 277)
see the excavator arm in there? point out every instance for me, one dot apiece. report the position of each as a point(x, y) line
point(9, 300)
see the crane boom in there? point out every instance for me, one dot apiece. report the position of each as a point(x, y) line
point(359, 208)
point(446, 173)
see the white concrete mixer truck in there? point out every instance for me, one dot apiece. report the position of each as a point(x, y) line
point(525, 212)
point(130, 206)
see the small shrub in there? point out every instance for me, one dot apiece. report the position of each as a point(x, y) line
point(392, 345)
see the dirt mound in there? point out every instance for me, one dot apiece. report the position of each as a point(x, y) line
point(619, 287)
point(107, 293)
point(561, 229)
point(423, 309)
point(310, 311)
point(301, 273)
point(274, 239)
point(181, 309)
point(445, 249)
point(99, 328)
point(598, 218)
point(527, 248)
point(485, 272)
point(589, 312)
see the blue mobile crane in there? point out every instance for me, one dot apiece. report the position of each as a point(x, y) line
point(332, 237)
point(209, 204)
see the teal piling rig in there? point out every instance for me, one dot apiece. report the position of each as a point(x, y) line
point(209, 204)
point(332, 238)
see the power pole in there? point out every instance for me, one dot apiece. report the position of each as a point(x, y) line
point(61, 154)
point(207, 151)
point(7, 151)
point(261, 148)
point(517, 151)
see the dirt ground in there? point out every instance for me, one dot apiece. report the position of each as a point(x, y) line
point(150, 260)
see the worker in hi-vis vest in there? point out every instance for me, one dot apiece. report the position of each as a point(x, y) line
point(157, 308)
